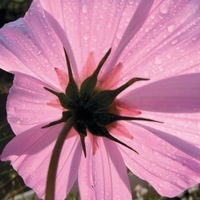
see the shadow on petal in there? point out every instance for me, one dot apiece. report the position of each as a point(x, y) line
point(32, 141)
point(180, 94)
point(177, 142)
point(65, 41)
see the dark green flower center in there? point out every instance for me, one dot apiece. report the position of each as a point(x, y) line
point(91, 109)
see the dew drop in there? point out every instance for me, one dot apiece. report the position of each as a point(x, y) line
point(155, 153)
point(18, 122)
point(54, 44)
point(84, 9)
point(164, 9)
point(101, 16)
point(39, 52)
point(94, 39)
point(85, 37)
point(169, 56)
point(119, 36)
point(194, 38)
point(15, 120)
point(175, 41)
point(131, 2)
point(158, 60)
point(170, 28)
point(160, 68)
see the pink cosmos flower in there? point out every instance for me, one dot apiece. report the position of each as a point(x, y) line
point(156, 40)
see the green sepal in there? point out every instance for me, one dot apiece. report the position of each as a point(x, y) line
point(63, 98)
point(105, 98)
point(71, 89)
point(82, 137)
point(102, 131)
point(104, 119)
point(88, 85)
point(81, 130)
point(65, 116)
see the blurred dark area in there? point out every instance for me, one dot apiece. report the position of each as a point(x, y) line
point(11, 10)
point(10, 183)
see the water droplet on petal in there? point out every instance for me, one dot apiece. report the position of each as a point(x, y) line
point(158, 60)
point(39, 52)
point(173, 42)
point(15, 120)
point(85, 37)
point(54, 44)
point(170, 28)
point(131, 1)
point(169, 56)
point(119, 36)
point(194, 38)
point(155, 153)
point(84, 9)
point(164, 9)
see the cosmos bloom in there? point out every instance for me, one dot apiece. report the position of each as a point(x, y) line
point(139, 109)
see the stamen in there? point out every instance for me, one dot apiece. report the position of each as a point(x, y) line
point(88, 85)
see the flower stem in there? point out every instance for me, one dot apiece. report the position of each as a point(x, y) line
point(51, 177)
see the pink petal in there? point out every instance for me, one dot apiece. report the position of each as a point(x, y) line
point(30, 158)
point(167, 162)
point(63, 78)
point(88, 67)
point(27, 104)
point(103, 175)
point(177, 144)
point(30, 46)
point(112, 83)
point(121, 131)
point(168, 44)
point(179, 94)
point(95, 26)
point(136, 22)
point(185, 126)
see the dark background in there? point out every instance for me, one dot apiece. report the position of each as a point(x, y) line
point(10, 183)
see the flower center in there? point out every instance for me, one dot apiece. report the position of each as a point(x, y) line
point(91, 109)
